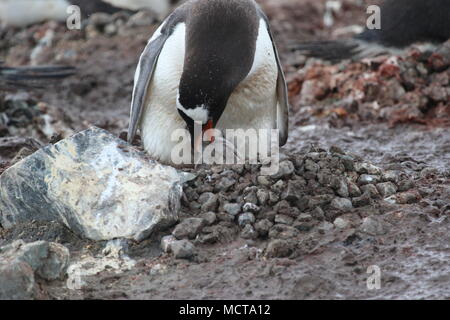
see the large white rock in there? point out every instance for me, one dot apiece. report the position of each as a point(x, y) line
point(94, 183)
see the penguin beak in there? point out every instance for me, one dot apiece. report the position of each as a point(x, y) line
point(205, 131)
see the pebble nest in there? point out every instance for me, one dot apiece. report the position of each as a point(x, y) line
point(313, 192)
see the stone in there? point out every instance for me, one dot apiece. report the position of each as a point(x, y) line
point(318, 214)
point(341, 223)
point(353, 189)
point(209, 202)
point(368, 179)
point(371, 190)
point(263, 197)
point(189, 228)
point(263, 180)
point(325, 227)
point(386, 189)
point(263, 227)
point(250, 207)
point(339, 184)
point(246, 218)
point(183, 249)
point(362, 201)
point(278, 248)
point(283, 231)
point(94, 183)
point(285, 170)
point(406, 185)
point(391, 176)
point(17, 281)
point(305, 217)
point(311, 166)
point(293, 191)
point(21, 264)
point(232, 208)
point(209, 218)
point(278, 187)
point(166, 243)
point(283, 219)
point(249, 232)
point(342, 204)
point(224, 184)
point(373, 226)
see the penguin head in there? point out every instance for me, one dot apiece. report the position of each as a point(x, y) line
point(201, 109)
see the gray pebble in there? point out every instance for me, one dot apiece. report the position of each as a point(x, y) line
point(246, 218)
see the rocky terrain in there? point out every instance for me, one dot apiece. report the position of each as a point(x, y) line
point(363, 180)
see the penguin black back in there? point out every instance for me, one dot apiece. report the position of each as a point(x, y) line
point(404, 22)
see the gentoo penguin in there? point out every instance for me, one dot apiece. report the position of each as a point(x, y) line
point(18, 77)
point(20, 13)
point(160, 7)
point(403, 22)
point(212, 62)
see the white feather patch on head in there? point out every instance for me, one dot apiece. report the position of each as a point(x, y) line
point(198, 114)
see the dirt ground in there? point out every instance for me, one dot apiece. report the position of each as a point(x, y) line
point(413, 250)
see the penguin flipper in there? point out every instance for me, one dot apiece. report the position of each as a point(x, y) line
point(282, 90)
point(146, 68)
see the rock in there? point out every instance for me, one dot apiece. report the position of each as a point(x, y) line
point(21, 263)
point(340, 185)
point(95, 184)
point(250, 207)
point(263, 197)
point(428, 172)
point(283, 231)
point(264, 180)
point(249, 232)
point(209, 202)
point(209, 218)
point(141, 19)
point(406, 185)
point(246, 218)
point(386, 189)
point(232, 208)
point(285, 170)
point(263, 227)
point(278, 187)
point(353, 190)
point(278, 249)
point(341, 223)
point(188, 228)
point(311, 166)
point(166, 243)
point(325, 227)
point(342, 204)
point(293, 191)
point(368, 179)
point(100, 19)
point(373, 226)
point(251, 197)
point(305, 217)
point(367, 168)
point(318, 214)
point(224, 184)
point(391, 176)
point(371, 190)
point(17, 281)
point(183, 249)
point(362, 201)
point(283, 219)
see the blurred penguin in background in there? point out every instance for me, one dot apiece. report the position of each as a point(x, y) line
point(21, 13)
point(403, 23)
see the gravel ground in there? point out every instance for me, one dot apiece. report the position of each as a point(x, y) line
point(356, 189)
